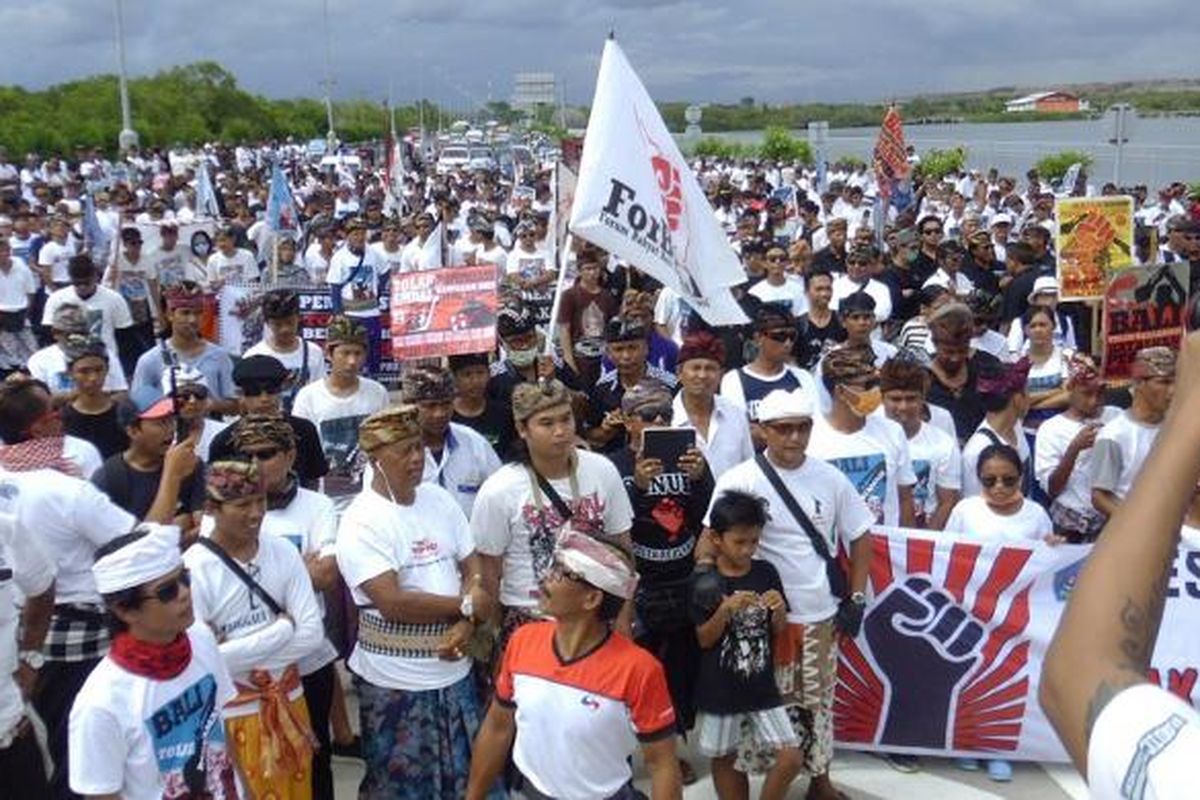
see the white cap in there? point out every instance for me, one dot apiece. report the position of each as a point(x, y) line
point(781, 404)
point(184, 374)
point(1001, 219)
point(1047, 284)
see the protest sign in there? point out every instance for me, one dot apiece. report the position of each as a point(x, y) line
point(1095, 237)
point(950, 655)
point(444, 312)
point(1143, 307)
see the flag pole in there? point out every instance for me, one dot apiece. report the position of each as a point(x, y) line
point(560, 279)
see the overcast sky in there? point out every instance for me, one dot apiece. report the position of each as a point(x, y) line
point(461, 52)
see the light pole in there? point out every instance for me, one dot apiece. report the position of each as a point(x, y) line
point(330, 136)
point(128, 139)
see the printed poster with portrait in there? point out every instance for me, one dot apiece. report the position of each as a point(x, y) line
point(1095, 238)
point(444, 312)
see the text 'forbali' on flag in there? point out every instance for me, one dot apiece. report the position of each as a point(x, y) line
point(638, 199)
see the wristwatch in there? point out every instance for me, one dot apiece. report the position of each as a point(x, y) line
point(32, 658)
point(858, 598)
point(467, 607)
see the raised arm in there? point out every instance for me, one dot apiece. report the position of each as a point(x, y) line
point(1106, 637)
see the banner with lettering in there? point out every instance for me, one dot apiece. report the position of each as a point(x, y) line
point(1143, 307)
point(1095, 237)
point(444, 312)
point(949, 659)
point(239, 323)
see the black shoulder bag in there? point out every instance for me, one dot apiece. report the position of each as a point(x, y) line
point(833, 570)
point(236, 568)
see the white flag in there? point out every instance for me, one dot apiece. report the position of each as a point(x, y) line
point(638, 199)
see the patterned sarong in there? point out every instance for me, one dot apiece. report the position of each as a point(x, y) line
point(274, 747)
point(417, 745)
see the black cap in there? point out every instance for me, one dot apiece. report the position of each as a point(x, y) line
point(772, 316)
point(621, 330)
point(260, 370)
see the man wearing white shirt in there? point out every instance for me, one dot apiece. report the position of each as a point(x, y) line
point(355, 276)
point(18, 286)
point(858, 279)
point(456, 458)
point(255, 593)
point(406, 552)
point(106, 311)
point(55, 255)
point(778, 286)
point(815, 614)
point(722, 428)
point(950, 256)
point(230, 262)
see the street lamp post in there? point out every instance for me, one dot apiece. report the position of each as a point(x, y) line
point(128, 139)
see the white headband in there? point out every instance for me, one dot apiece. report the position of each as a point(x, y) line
point(595, 562)
point(147, 559)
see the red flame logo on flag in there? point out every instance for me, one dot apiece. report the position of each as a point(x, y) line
point(671, 186)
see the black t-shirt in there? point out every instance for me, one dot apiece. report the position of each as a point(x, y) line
point(134, 490)
point(491, 424)
point(737, 674)
point(813, 341)
point(101, 429)
point(829, 260)
point(1016, 294)
point(310, 465)
point(964, 406)
point(667, 519)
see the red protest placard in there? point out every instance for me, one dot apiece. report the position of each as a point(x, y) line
point(444, 312)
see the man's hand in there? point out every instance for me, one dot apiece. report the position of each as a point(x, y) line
point(693, 464)
point(181, 459)
point(545, 368)
point(645, 470)
point(738, 601)
point(26, 679)
point(454, 643)
point(773, 600)
point(1086, 438)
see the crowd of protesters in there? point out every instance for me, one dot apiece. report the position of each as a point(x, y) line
point(202, 556)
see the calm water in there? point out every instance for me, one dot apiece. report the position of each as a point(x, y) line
point(1159, 150)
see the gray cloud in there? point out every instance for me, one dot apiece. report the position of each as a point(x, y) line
point(461, 52)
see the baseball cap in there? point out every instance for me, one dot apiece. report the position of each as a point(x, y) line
point(1047, 284)
point(144, 403)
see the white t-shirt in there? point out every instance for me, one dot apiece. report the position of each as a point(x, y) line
point(70, 519)
point(937, 463)
point(875, 458)
point(977, 444)
point(836, 510)
point(106, 312)
point(294, 361)
point(746, 388)
point(423, 543)
point(972, 517)
point(133, 736)
point(83, 454)
point(359, 276)
point(252, 636)
point(26, 570)
point(843, 287)
point(1120, 450)
point(466, 461)
point(56, 256)
point(507, 522)
point(16, 285)
point(393, 261)
point(1054, 436)
point(791, 292)
point(241, 266)
point(1145, 744)
point(310, 524)
point(49, 365)
point(337, 420)
point(728, 441)
point(316, 264)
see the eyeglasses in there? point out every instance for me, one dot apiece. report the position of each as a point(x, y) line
point(168, 592)
point(781, 336)
point(1007, 481)
point(652, 413)
point(266, 454)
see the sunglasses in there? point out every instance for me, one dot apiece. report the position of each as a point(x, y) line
point(651, 413)
point(787, 429)
point(191, 394)
point(258, 389)
point(781, 336)
point(169, 592)
point(931, 231)
point(558, 572)
point(266, 454)
point(1007, 481)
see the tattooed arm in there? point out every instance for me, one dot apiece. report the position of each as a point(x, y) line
point(1106, 637)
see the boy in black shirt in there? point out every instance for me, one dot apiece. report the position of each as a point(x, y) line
point(736, 617)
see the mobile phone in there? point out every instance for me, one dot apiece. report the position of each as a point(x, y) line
point(667, 445)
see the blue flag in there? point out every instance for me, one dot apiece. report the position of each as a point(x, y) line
point(281, 208)
point(207, 204)
point(95, 240)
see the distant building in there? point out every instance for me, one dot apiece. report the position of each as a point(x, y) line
point(1047, 102)
point(531, 89)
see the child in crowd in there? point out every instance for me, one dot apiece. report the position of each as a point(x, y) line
point(736, 616)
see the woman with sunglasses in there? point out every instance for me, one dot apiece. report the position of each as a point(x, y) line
point(148, 722)
point(1001, 512)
